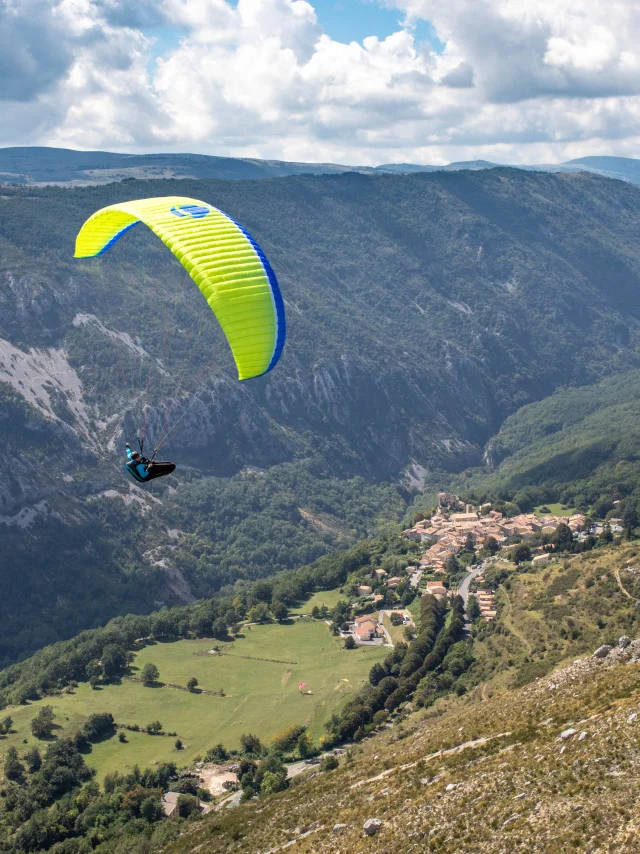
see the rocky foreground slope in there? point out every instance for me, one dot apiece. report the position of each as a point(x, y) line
point(552, 767)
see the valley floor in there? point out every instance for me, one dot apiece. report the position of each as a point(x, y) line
point(258, 673)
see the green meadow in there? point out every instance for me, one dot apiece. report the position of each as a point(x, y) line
point(396, 632)
point(555, 510)
point(330, 598)
point(259, 674)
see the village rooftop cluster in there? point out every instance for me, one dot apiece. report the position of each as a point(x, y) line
point(446, 533)
point(486, 598)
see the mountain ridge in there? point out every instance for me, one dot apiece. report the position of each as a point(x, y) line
point(41, 165)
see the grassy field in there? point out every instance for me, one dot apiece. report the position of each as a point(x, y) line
point(259, 674)
point(330, 598)
point(554, 510)
point(414, 609)
point(396, 632)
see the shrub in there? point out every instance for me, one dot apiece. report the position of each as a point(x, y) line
point(151, 809)
point(99, 726)
point(288, 738)
point(217, 754)
point(42, 725)
point(251, 744)
point(186, 805)
point(329, 763)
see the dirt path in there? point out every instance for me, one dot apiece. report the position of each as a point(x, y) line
point(616, 572)
point(509, 623)
point(449, 752)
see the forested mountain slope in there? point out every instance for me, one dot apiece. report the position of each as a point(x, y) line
point(422, 311)
point(577, 446)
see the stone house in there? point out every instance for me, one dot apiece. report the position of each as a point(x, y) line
point(170, 804)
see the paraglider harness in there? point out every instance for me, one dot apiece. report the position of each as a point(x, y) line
point(152, 468)
point(144, 459)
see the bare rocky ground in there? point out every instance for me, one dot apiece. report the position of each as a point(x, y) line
point(213, 776)
point(552, 767)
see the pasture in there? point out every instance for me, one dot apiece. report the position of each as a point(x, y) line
point(259, 674)
point(330, 598)
point(555, 510)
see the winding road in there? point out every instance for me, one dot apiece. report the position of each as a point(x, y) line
point(463, 587)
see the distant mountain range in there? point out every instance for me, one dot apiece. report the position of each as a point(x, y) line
point(63, 166)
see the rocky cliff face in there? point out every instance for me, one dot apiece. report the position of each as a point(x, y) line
point(421, 311)
point(376, 422)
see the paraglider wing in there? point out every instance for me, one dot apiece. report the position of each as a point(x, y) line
point(223, 260)
point(302, 685)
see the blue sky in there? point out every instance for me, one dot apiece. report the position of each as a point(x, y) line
point(354, 20)
point(342, 20)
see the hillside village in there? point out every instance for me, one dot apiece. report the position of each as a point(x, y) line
point(454, 529)
point(453, 525)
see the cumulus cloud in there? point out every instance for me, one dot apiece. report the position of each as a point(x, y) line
point(78, 79)
point(522, 49)
point(33, 55)
point(461, 77)
point(124, 13)
point(516, 81)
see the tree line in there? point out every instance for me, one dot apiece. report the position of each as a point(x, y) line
point(404, 672)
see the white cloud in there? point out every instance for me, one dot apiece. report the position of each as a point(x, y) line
point(518, 80)
point(522, 49)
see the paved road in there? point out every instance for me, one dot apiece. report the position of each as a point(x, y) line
point(384, 628)
point(415, 579)
point(463, 587)
point(297, 768)
point(305, 765)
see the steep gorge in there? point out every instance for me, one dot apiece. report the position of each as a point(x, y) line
point(422, 311)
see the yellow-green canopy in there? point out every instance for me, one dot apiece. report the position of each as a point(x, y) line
point(223, 260)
